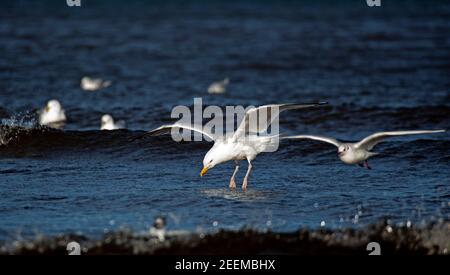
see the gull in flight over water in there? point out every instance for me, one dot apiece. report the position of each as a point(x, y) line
point(109, 124)
point(242, 144)
point(218, 87)
point(360, 152)
point(52, 114)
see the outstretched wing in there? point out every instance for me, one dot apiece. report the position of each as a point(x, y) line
point(319, 138)
point(258, 120)
point(166, 129)
point(369, 142)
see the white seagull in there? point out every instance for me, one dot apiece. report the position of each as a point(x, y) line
point(244, 143)
point(52, 113)
point(218, 87)
point(94, 84)
point(109, 124)
point(359, 152)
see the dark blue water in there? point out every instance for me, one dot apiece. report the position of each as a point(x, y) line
point(380, 69)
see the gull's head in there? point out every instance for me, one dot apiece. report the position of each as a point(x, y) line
point(217, 154)
point(343, 149)
point(53, 105)
point(107, 119)
point(209, 161)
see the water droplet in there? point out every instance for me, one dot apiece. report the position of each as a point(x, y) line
point(322, 223)
point(215, 223)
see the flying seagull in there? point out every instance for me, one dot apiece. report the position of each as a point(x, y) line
point(244, 143)
point(359, 152)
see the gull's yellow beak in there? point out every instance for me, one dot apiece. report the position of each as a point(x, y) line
point(204, 169)
point(47, 108)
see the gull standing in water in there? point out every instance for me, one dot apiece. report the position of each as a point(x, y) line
point(242, 144)
point(52, 113)
point(109, 124)
point(359, 152)
point(218, 87)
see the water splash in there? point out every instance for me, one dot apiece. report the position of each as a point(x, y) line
point(11, 128)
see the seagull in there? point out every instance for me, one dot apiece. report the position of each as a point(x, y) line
point(242, 144)
point(94, 84)
point(158, 230)
point(109, 124)
point(218, 87)
point(360, 152)
point(52, 113)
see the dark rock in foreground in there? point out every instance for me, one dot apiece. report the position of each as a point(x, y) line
point(393, 240)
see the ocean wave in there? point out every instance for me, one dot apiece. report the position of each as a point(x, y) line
point(21, 135)
point(15, 139)
point(401, 239)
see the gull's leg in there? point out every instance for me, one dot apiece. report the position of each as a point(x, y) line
point(232, 182)
point(366, 164)
point(244, 183)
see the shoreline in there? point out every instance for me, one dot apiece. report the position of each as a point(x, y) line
point(433, 239)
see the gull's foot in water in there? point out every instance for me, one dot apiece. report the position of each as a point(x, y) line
point(366, 165)
point(244, 185)
point(232, 184)
point(360, 165)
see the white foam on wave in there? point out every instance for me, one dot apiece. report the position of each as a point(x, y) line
point(24, 121)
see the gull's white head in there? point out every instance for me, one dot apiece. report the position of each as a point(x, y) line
point(53, 105)
point(107, 123)
point(107, 119)
point(343, 149)
point(217, 154)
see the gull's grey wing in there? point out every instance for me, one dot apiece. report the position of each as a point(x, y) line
point(258, 120)
point(369, 142)
point(166, 129)
point(319, 138)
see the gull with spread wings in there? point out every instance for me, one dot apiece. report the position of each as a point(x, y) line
point(359, 152)
point(244, 143)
